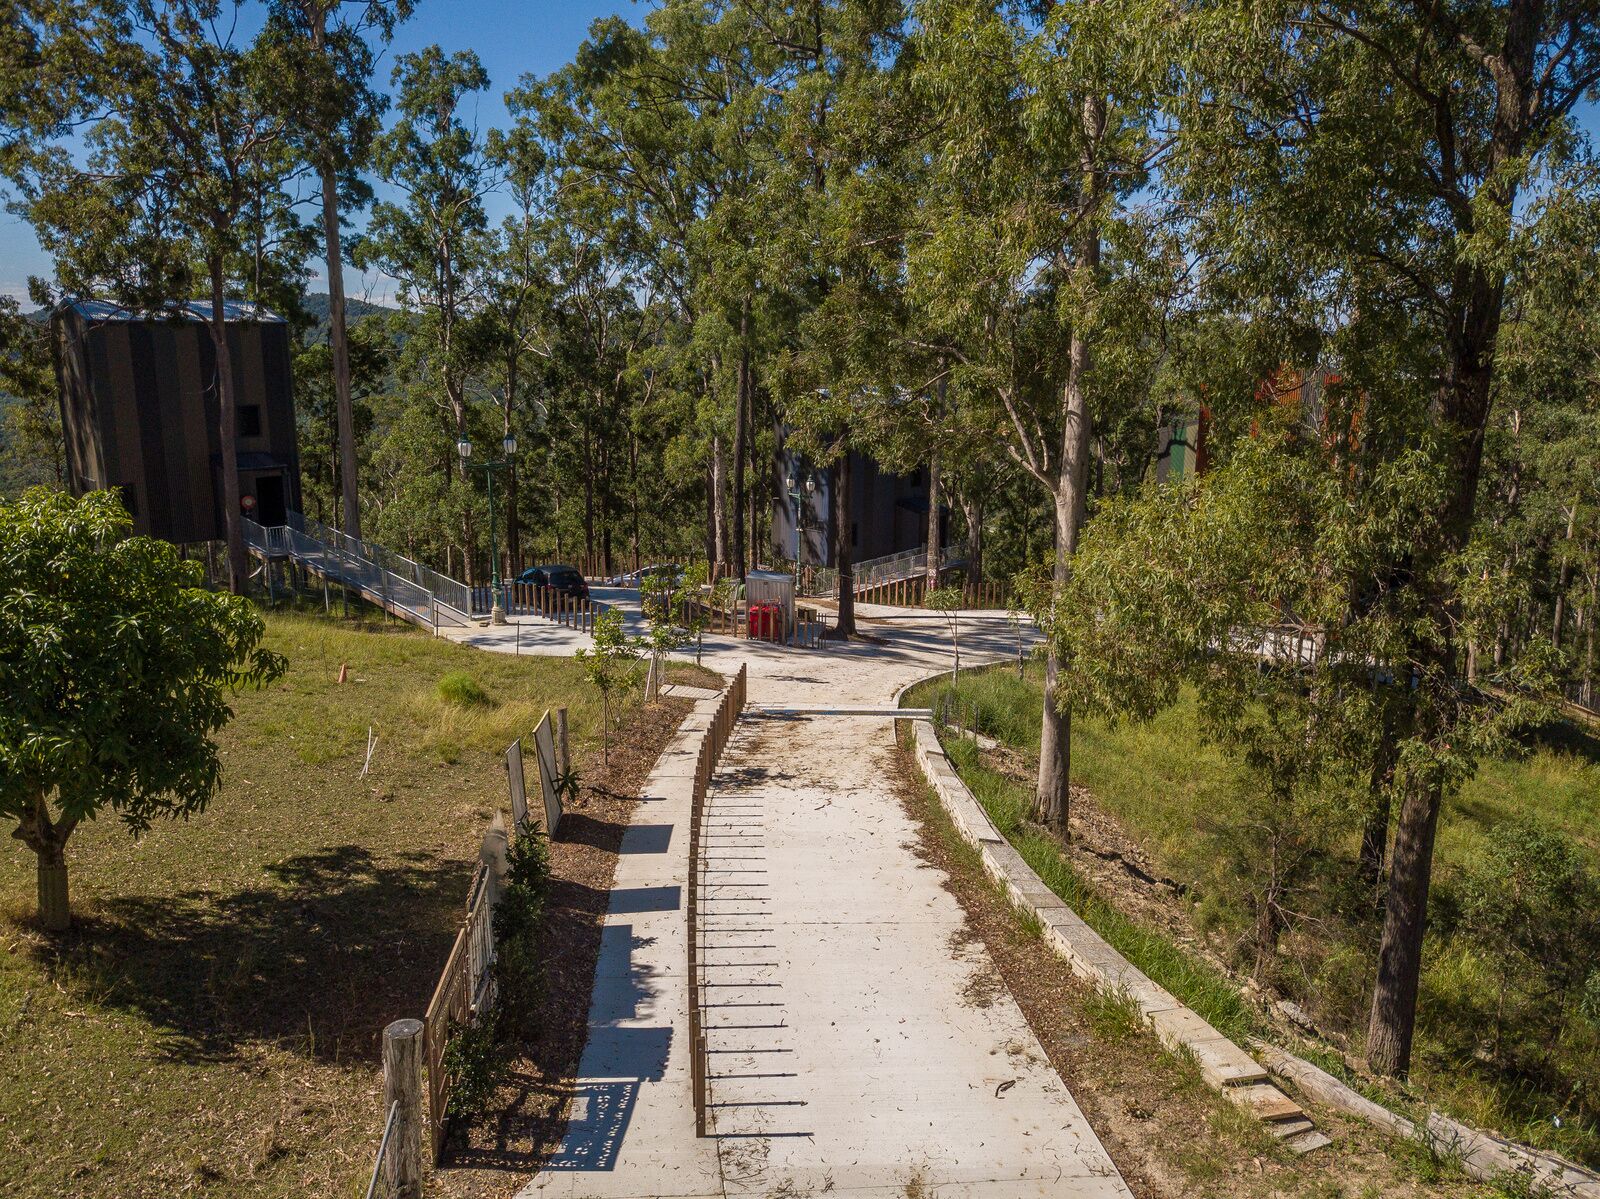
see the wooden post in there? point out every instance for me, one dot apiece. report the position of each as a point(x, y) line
point(565, 753)
point(402, 1084)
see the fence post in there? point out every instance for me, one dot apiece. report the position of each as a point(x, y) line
point(402, 1084)
point(492, 853)
point(561, 741)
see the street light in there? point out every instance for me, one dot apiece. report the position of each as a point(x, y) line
point(799, 517)
point(508, 449)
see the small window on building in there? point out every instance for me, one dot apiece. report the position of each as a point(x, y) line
point(916, 477)
point(250, 420)
point(855, 539)
point(130, 498)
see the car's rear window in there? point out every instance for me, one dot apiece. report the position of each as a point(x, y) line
point(565, 577)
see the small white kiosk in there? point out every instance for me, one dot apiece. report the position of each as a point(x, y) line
point(769, 596)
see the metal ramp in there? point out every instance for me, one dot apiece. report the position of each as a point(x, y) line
point(395, 583)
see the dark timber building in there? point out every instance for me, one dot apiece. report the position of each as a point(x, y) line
point(140, 413)
point(888, 512)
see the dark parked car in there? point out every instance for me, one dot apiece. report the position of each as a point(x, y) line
point(558, 578)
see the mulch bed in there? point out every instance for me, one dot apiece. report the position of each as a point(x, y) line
point(497, 1156)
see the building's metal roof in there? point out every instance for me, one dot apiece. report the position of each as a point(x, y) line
point(197, 310)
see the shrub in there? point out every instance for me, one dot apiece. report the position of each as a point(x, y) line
point(519, 929)
point(474, 1066)
point(462, 690)
point(1529, 906)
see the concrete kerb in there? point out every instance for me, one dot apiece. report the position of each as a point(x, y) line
point(1482, 1155)
point(1224, 1066)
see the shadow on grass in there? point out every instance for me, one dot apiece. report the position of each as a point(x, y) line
point(317, 960)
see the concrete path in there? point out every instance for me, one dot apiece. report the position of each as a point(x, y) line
point(858, 1044)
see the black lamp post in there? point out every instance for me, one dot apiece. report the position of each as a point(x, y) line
point(508, 448)
point(799, 520)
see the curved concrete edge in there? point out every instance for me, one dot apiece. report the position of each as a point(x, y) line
point(1222, 1064)
point(1482, 1155)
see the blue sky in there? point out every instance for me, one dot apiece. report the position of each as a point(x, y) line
point(511, 37)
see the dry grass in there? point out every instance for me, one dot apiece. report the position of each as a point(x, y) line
point(211, 1025)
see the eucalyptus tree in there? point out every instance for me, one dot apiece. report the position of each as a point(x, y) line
point(181, 182)
point(667, 129)
point(1045, 129)
point(1371, 156)
point(433, 240)
point(30, 412)
point(1543, 478)
point(518, 302)
point(334, 115)
point(840, 134)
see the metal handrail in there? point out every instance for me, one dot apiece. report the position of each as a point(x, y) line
point(383, 1148)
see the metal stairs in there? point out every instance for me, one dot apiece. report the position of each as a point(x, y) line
point(392, 581)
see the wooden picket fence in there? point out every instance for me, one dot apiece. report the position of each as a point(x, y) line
point(734, 621)
point(910, 593)
point(466, 988)
point(464, 993)
point(711, 747)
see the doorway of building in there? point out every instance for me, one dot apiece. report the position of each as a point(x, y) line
point(270, 507)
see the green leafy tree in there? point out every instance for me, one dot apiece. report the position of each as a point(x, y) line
point(1531, 906)
point(947, 601)
point(1239, 585)
point(116, 664)
point(611, 665)
point(432, 242)
point(1029, 253)
point(30, 411)
point(657, 596)
point(1359, 168)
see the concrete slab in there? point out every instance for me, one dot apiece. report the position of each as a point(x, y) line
point(857, 1043)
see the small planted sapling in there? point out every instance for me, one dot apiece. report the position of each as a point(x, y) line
point(947, 602)
point(611, 664)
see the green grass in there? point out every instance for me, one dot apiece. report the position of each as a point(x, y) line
point(1164, 786)
point(211, 1024)
point(1197, 984)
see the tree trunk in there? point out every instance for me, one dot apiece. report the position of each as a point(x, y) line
point(1586, 691)
point(228, 436)
point(339, 342)
point(1565, 581)
point(588, 496)
point(839, 515)
point(55, 915)
point(972, 511)
point(935, 531)
point(1394, 995)
point(719, 501)
point(1055, 731)
point(1375, 830)
point(513, 522)
point(711, 519)
point(741, 402)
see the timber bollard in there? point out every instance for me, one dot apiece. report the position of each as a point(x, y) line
point(402, 1084)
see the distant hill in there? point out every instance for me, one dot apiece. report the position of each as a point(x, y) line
point(317, 306)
